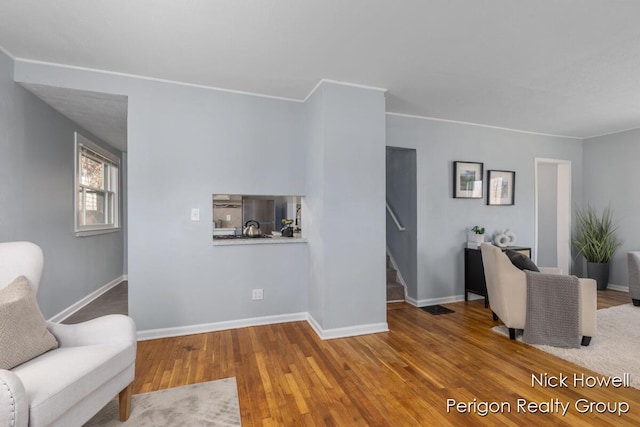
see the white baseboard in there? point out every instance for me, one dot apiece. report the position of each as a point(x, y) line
point(618, 287)
point(151, 334)
point(458, 298)
point(349, 331)
point(86, 300)
point(443, 300)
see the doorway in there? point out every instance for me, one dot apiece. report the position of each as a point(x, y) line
point(402, 218)
point(552, 205)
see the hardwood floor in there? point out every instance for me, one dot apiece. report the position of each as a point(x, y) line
point(114, 301)
point(287, 376)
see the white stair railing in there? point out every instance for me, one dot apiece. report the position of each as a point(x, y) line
point(394, 218)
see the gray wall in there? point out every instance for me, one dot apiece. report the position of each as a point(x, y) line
point(313, 205)
point(186, 143)
point(401, 194)
point(611, 167)
point(547, 215)
point(442, 220)
point(36, 197)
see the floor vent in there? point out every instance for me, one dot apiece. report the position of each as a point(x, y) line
point(436, 309)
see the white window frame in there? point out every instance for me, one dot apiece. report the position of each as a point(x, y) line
point(107, 158)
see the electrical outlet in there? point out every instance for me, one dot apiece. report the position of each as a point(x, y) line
point(256, 294)
point(195, 214)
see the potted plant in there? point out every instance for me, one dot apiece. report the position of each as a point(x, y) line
point(287, 227)
point(478, 234)
point(596, 241)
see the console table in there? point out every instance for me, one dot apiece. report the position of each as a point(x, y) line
point(474, 271)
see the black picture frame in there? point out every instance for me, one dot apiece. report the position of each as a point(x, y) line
point(501, 188)
point(467, 180)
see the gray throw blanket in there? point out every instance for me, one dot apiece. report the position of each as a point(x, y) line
point(552, 310)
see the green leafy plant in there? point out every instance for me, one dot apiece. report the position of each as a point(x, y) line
point(595, 235)
point(478, 230)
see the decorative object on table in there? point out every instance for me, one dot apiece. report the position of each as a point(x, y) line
point(252, 229)
point(596, 241)
point(501, 187)
point(504, 238)
point(287, 228)
point(467, 180)
point(475, 237)
point(478, 234)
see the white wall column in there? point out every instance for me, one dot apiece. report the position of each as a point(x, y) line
point(345, 209)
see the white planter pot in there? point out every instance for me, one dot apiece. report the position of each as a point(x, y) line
point(478, 238)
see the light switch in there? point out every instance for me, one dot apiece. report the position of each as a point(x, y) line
point(195, 214)
point(228, 217)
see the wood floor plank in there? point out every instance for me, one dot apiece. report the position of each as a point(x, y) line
point(287, 376)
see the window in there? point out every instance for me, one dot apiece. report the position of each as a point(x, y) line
point(97, 189)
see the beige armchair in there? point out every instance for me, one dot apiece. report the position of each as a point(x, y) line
point(66, 386)
point(633, 263)
point(507, 292)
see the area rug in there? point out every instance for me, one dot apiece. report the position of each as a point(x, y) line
point(213, 403)
point(613, 351)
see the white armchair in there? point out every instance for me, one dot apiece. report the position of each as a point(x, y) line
point(94, 361)
point(507, 291)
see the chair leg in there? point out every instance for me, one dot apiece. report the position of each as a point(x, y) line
point(585, 341)
point(636, 302)
point(495, 317)
point(512, 334)
point(124, 401)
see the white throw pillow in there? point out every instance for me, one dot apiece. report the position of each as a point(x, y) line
point(23, 330)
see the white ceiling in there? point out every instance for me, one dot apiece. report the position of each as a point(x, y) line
point(562, 67)
point(104, 115)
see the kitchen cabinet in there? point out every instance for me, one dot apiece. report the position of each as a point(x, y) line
point(227, 211)
point(474, 280)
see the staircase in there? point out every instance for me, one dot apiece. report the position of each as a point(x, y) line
point(395, 290)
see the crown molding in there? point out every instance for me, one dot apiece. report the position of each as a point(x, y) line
point(280, 98)
point(611, 133)
point(337, 82)
point(151, 79)
point(389, 113)
point(6, 52)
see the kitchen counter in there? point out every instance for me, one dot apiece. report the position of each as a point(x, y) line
point(258, 241)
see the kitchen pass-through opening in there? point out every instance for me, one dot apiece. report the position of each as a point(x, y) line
point(258, 216)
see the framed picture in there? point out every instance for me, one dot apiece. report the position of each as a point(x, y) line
point(501, 187)
point(467, 180)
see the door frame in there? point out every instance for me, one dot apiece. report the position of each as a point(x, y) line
point(563, 217)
